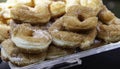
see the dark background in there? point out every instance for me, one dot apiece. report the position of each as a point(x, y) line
point(106, 60)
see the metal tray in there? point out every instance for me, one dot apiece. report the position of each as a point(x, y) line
point(72, 60)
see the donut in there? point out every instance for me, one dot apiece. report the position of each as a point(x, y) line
point(56, 52)
point(39, 14)
point(68, 38)
point(91, 7)
point(107, 17)
point(63, 30)
point(108, 33)
point(29, 39)
point(72, 23)
point(64, 38)
point(11, 51)
point(79, 18)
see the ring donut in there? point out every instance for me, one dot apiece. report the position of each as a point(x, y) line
point(109, 33)
point(29, 39)
point(85, 8)
point(72, 19)
point(11, 52)
point(63, 29)
point(67, 39)
point(76, 13)
point(63, 38)
point(40, 14)
point(72, 23)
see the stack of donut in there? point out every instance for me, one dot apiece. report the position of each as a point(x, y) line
point(108, 28)
point(30, 41)
point(47, 29)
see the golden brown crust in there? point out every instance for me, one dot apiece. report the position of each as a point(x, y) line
point(18, 58)
point(65, 36)
point(4, 32)
point(57, 8)
point(63, 29)
point(32, 51)
point(81, 12)
point(86, 8)
point(80, 19)
point(106, 16)
point(109, 33)
point(74, 24)
point(55, 52)
point(58, 34)
point(71, 3)
point(89, 39)
point(11, 3)
point(30, 39)
point(26, 32)
point(39, 15)
point(95, 5)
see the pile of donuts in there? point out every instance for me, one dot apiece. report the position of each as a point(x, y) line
point(33, 31)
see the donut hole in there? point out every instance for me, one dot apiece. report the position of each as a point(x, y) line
point(81, 18)
point(8, 32)
point(17, 21)
point(30, 34)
